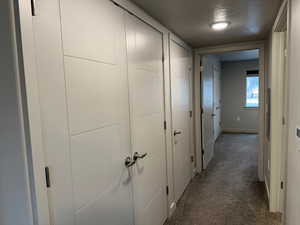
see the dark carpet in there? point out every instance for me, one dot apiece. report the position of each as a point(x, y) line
point(228, 191)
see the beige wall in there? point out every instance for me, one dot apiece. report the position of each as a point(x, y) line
point(235, 117)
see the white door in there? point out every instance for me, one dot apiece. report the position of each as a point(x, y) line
point(181, 106)
point(145, 71)
point(207, 114)
point(285, 97)
point(83, 84)
point(217, 102)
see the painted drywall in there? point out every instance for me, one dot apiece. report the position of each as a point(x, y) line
point(15, 206)
point(234, 116)
point(293, 162)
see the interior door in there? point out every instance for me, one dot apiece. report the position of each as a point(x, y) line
point(217, 102)
point(83, 84)
point(285, 97)
point(145, 71)
point(180, 92)
point(208, 110)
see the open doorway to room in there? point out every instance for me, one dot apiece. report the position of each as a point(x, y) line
point(230, 97)
point(233, 135)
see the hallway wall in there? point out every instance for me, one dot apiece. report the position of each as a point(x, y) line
point(15, 203)
point(235, 117)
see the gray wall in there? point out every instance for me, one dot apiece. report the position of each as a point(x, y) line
point(233, 97)
point(15, 208)
point(293, 164)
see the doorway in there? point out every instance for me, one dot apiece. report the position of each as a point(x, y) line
point(206, 112)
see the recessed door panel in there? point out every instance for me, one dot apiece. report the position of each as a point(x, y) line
point(180, 85)
point(87, 25)
point(92, 101)
point(145, 71)
point(207, 115)
point(217, 102)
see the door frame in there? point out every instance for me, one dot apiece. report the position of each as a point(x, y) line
point(260, 45)
point(35, 152)
point(280, 75)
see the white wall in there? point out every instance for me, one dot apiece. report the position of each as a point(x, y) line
point(235, 117)
point(293, 163)
point(15, 206)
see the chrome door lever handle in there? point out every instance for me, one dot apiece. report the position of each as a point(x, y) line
point(129, 162)
point(176, 132)
point(137, 156)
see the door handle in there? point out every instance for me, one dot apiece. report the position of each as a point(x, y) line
point(129, 162)
point(137, 156)
point(213, 115)
point(176, 132)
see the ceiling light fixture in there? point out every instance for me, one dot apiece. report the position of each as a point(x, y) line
point(220, 25)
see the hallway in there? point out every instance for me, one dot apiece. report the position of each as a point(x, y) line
point(227, 193)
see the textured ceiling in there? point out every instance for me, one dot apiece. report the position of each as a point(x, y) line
point(190, 19)
point(239, 55)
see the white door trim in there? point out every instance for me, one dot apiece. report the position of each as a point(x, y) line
point(277, 73)
point(239, 47)
point(35, 153)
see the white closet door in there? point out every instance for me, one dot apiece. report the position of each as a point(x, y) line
point(180, 84)
point(145, 68)
point(85, 111)
point(208, 109)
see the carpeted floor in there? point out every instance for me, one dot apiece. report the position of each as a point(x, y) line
point(228, 192)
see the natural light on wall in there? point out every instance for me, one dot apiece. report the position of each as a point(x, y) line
point(252, 91)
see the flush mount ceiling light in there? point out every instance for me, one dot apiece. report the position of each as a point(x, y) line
point(220, 25)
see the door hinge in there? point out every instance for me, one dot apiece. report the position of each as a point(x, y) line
point(281, 185)
point(192, 159)
point(283, 121)
point(165, 125)
point(167, 190)
point(191, 113)
point(202, 151)
point(201, 68)
point(47, 176)
point(33, 7)
point(163, 58)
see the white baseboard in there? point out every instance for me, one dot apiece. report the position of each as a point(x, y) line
point(239, 131)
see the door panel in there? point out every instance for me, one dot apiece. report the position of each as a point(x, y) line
point(217, 102)
point(207, 115)
point(89, 89)
point(85, 111)
point(180, 89)
point(145, 71)
point(87, 25)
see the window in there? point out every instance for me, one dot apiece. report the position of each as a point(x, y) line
point(252, 89)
